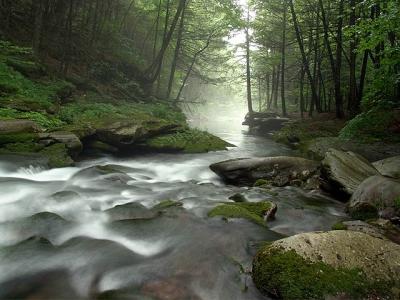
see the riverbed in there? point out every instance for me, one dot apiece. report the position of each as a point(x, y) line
point(81, 232)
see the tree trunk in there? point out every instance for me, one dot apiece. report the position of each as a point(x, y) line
point(303, 54)
point(248, 70)
point(176, 54)
point(283, 63)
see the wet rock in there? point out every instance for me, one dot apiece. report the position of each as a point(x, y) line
point(318, 147)
point(257, 212)
point(342, 172)
point(107, 172)
point(352, 264)
point(238, 198)
point(265, 122)
point(278, 170)
point(389, 167)
point(377, 196)
point(70, 140)
point(101, 147)
point(364, 227)
point(46, 285)
point(123, 134)
point(130, 211)
point(168, 289)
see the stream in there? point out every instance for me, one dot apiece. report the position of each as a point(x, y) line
point(63, 236)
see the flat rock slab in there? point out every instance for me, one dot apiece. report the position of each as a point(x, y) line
point(282, 169)
point(389, 167)
point(343, 172)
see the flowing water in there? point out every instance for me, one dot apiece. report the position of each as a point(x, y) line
point(87, 232)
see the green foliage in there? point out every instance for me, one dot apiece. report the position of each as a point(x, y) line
point(286, 275)
point(17, 91)
point(44, 120)
point(372, 125)
point(188, 141)
point(339, 226)
point(254, 212)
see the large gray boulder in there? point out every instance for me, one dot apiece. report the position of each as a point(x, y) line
point(342, 172)
point(319, 265)
point(376, 196)
point(389, 167)
point(279, 170)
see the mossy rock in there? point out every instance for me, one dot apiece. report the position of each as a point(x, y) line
point(253, 211)
point(339, 226)
point(13, 138)
point(57, 155)
point(188, 141)
point(238, 198)
point(286, 275)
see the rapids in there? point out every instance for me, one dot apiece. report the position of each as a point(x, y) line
point(62, 235)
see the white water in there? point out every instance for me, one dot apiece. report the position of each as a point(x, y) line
point(93, 252)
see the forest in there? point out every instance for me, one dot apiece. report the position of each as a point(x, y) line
point(199, 149)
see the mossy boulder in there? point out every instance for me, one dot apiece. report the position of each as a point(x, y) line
point(188, 141)
point(57, 156)
point(377, 196)
point(257, 212)
point(343, 172)
point(328, 264)
point(126, 133)
point(279, 171)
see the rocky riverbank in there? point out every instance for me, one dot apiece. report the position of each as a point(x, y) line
point(57, 119)
point(359, 258)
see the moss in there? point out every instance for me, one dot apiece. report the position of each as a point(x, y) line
point(262, 182)
point(254, 212)
point(57, 155)
point(339, 226)
point(373, 126)
point(287, 275)
point(305, 130)
point(11, 138)
point(188, 141)
point(23, 147)
point(167, 204)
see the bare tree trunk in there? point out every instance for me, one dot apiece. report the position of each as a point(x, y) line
point(283, 63)
point(303, 54)
point(176, 54)
point(248, 70)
